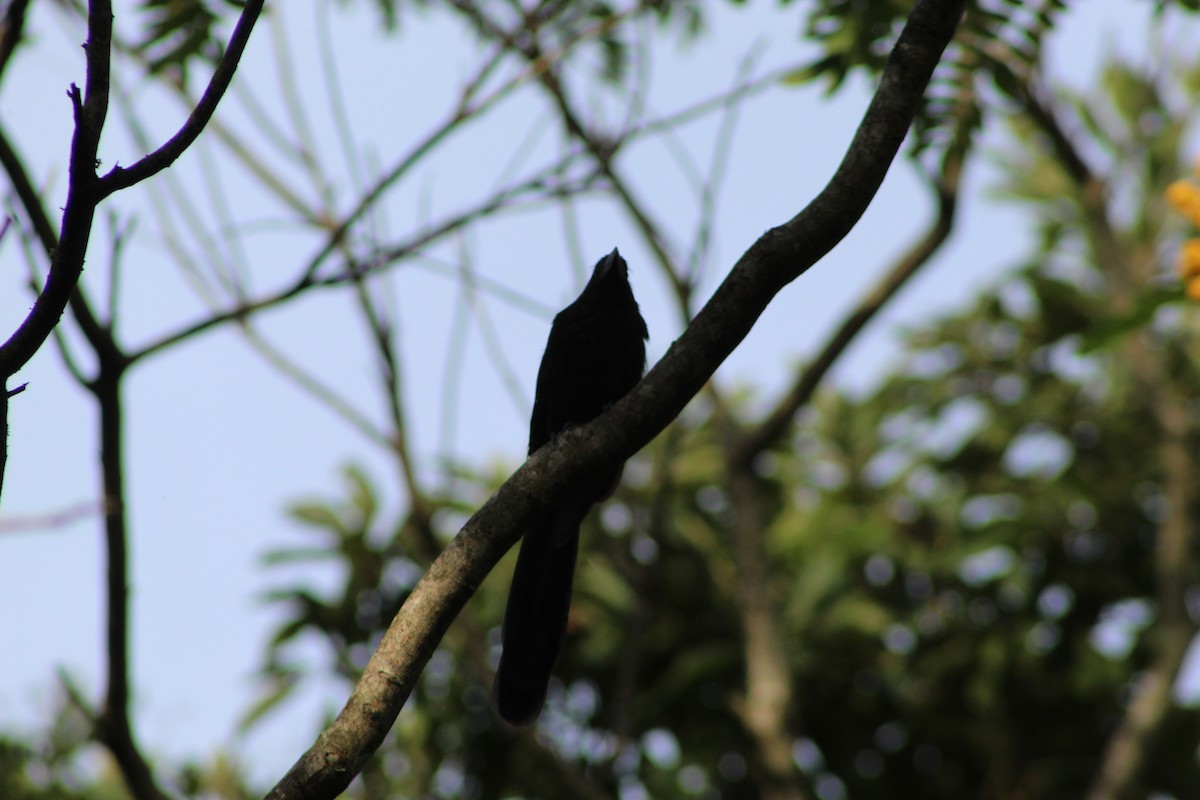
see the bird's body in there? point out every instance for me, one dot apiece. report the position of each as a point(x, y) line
point(596, 352)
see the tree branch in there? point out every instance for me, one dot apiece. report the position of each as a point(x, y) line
point(1093, 197)
point(391, 384)
point(1133, 742)
point(5, 394)
point(67, 252)
point(113, 726)
point(67, 259)
point(85, 190)
point(775, 260)
point(767, 701)
point(768, 698)
point(27, 194)
point(123, 177)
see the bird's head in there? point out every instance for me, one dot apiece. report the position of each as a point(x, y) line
point(611, 267)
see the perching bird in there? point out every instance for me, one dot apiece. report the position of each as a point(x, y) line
point(595, 354)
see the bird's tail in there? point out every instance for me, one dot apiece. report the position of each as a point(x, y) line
point(535, 620)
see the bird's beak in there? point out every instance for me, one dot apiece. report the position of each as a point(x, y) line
point(607, 263)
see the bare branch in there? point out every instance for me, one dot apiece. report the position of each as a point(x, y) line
point(1093, 192)
point(67, 260)
point(67, 251)
point(380, 327)
point(780, 256)
point(28, 195)
point(7, 393)
point(232, 140)
point(43, 228)
point(114, 728)
point(708, 189)
point(311, 385)
point(85, 189)
point(490, 336)
point(335, 96)
point(53, 520)
point(121, 177)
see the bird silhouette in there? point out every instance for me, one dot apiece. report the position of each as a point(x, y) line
point(595, 353)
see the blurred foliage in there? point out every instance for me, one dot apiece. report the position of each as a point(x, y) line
point(997, 45)
point(176, 33)
point(997, 49)
point(64, 763)
point(375, 575)
point(47, 766)
point(962, 558)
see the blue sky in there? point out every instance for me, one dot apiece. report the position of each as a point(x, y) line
point(219, 444)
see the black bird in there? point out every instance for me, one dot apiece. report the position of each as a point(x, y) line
point(595, 354)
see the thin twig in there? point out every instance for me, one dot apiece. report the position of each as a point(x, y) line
point(452, 372)
point(29, 196)
point(51, 521)
point(375, 263)
point(118, 235)
point(230, 265)
point(4, 434)
point(313, 386)
point(289, 92)
point(491, 338)
point(390, 381)
point(335, 95)
point(710, 189)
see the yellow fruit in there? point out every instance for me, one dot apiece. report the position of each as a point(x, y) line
point(1188, 265)
point(1182, 194)
point(1193, 289)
